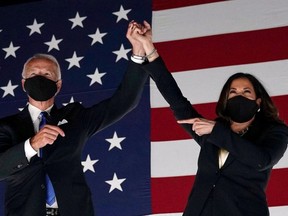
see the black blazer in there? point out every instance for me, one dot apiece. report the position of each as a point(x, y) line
point(25, 195)
point(238, 188)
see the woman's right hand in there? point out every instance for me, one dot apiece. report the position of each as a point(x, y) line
point(200, 126)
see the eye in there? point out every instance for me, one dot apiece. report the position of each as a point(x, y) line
point(247, 91)
point(47, 74)
point(31, 75)
point(232, 91)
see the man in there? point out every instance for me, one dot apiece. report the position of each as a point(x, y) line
point(29, 155)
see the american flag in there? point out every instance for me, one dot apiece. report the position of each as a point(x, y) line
point(145, 164)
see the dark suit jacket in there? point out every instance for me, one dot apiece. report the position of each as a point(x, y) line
point(25, 195)
point(238, 188)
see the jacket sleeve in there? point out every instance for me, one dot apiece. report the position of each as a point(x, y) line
point(166, 84)
point(260, 154)
point(12, 156)
point(124, 99)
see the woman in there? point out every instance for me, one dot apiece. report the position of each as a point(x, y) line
point(238, 149)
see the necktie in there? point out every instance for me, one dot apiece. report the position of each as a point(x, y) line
point(50, 194)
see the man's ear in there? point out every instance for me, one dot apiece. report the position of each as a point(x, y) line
point(59, 86)
point(23, 81)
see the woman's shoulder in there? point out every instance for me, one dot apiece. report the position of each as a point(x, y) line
point(273, 125)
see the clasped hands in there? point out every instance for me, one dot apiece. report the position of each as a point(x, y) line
point(139, 32)
point(200, 126)
point(140, 37)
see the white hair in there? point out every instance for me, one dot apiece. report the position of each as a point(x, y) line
point(43, 56)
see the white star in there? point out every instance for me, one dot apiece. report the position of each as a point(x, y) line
point(115, 183)
point(96, 77)
point(53, 44)
point(9, 89)
point(115, 141)
point(0, 30)
point(11, 50)
point(74, 61)
point(88, 164)
point(77, 21)
point(121, 53)
point(35, 27)
point(121, 14)
point(97, 37)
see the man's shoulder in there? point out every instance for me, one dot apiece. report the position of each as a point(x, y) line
point(73, 105)
point(14, 117)
point(70, 108)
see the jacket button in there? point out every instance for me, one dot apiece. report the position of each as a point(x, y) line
point(18, 166)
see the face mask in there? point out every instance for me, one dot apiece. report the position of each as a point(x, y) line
point(241, 109)
point(40, 88)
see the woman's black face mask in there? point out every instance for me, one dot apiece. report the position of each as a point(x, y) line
point(241, 109)
point(40, 88)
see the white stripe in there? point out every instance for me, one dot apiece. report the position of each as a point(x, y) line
point(179, 158)
point(218, 18)
point(204, 86)
point(278, 211)
point(283, 163)
point(167, 214)
point(174, 158)
point(274, 211)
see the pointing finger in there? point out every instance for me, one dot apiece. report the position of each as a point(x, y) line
point(187, 121)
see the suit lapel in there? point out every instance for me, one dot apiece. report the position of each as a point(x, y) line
point(24, 124)
point(228, 161)
point(215, 158)
point(54, 115)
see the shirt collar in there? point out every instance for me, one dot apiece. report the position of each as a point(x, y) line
point(35, 112)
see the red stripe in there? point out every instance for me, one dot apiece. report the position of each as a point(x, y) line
point(170, 4)
point(277, 190)
point(165, 128)
point(282, 105)
point(225, 50)
point(170, 194)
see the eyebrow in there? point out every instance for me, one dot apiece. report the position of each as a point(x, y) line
point(243, 88)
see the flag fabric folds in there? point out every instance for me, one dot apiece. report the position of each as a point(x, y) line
point(145, 164)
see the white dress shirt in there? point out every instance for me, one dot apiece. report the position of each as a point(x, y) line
point(29, 151)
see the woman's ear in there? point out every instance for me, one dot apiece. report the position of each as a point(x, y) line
point(258, 101)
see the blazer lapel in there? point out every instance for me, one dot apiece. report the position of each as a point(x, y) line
point(25, 125)
point(228, 161)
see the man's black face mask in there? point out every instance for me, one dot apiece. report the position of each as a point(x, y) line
point(40, 88)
